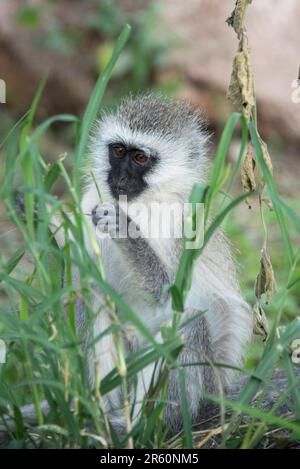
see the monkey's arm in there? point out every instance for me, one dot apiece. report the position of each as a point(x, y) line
point(143, 259)
point(150, 269)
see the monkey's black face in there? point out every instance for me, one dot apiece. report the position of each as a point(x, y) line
point(128, 167)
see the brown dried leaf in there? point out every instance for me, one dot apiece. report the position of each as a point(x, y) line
point(266, 156)
point(261, 325)
point(265, 281)
point(247, 172)
point(236, 18)
point(239, 15)
point(268, 202)
point(241, 88)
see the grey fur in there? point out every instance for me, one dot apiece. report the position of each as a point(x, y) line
point(150, 113)
point(142, 258)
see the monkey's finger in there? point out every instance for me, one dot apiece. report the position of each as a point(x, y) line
point(107, 224)
point(102, 211)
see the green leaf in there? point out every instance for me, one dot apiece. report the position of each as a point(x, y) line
point(216, 178)
point(29, 16)
point(52, 176)
point(13, 261)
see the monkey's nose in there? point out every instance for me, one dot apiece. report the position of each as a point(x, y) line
point(123, 180)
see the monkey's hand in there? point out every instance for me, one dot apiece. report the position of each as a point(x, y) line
point(106, 220)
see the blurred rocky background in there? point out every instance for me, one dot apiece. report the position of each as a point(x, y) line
point(185, 47)
point(182, 48)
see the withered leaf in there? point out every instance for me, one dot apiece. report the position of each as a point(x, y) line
point(247, 172)
point(266, 156)
point(265, 281)
point(236, 18)
point(261, 325)
point(266, 200)
point(241, 87)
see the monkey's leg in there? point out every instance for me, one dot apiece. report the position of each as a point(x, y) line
point(198, 377)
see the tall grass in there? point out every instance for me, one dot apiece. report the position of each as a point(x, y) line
point(45, 359)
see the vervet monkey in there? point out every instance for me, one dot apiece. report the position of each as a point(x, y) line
point(153, 151)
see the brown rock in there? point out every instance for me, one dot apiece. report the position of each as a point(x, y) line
point(208, 46)
point(24, 63)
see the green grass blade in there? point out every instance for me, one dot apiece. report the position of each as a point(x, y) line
point(95, 100)
point(273, 192)
point(217, 168)
point(31, 113)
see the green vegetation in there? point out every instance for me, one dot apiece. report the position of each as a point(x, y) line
point(45, 359)
point(140, 62)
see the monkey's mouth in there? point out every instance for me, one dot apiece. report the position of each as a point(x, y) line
point(119, 189)
point(131, 187)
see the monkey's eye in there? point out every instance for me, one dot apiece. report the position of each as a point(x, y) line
point(140, 158)
point(119, 151)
